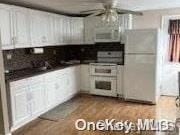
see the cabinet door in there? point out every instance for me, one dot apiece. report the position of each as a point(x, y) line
point(6, 27)
point(67, 30)
point(61, 87)
point(89, 30)
point(50, 91)
point(85, 78)
point(125, 23)
point(37, 98)
point(74, 76)
point(21, 27)
point(51, 30)
point(77, 30)
point(58, 30)
point(20, 105)
point(39, 28)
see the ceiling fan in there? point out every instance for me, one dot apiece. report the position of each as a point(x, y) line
point(109, 13)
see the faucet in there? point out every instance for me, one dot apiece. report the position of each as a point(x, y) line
point(47, 65)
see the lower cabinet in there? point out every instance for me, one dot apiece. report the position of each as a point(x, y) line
point(37, 94)
point(61, 86)
point(85, 78)
point(33, 96)
point(20, 105)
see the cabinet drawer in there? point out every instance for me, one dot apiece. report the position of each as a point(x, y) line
point(36, 79)
point(50, 76)
point(19, 84)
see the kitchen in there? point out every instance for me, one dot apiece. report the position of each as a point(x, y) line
point(52, 57)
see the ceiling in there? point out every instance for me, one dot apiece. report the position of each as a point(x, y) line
point(75, 6)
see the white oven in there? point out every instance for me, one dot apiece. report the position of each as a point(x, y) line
point(103, 74)
point(103, 79)
point(105, 86)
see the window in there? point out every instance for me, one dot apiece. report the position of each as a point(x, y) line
point(174, 40)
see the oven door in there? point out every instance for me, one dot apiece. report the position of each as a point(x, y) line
point(103, 70)
point(105, 86)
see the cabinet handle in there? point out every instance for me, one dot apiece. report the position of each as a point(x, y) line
point(14, 40)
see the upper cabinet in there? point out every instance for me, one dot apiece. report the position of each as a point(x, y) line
point(66, 30)
point(6, 27)
point(77, 30)
point(39, 28)
point(89, 30)
point(125, 23)
point(58, 30)
point(21, 27)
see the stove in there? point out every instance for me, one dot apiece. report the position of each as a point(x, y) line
point(103, 73)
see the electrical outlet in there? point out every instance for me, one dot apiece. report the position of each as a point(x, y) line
point(9, 56)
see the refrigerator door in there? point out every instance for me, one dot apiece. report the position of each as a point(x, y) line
point(141, 41)
point(139, 77)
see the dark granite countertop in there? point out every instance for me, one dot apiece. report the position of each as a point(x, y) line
point(30, 72)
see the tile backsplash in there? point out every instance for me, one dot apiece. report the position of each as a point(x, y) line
point(22, 58)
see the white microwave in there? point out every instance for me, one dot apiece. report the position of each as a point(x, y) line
point(111, 34)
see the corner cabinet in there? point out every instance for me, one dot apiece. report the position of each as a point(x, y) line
point(58, 30)
point(6, 27)
point(77, 30)
point(85, 78)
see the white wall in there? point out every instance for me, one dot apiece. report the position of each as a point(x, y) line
point(153, 19)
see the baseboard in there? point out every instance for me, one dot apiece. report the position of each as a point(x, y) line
point(84, 92)
point(7, 134)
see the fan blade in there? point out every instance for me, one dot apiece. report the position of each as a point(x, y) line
point(90, 11)
point(96, 14)
point(123, 11)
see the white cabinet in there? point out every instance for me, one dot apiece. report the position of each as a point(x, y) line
point(37, 94)
point(74, 79)
point(27, 99)
point(77, 30)
point(39, 28)
point(58, 30)
point(50, 89)
point(85, 78)
point(21, 27)
point(34, 96)
point(62, 84)
point(66, 30)
point(37, 101)
point(51, 30)
point(120, 71)
point(6, 27)
point(89, 29)
point(20, 106)
point(125, 23)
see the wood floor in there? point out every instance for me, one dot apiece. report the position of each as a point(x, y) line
point(93, 108)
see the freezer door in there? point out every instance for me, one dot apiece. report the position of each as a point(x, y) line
point(141, 41)
point(139, 77)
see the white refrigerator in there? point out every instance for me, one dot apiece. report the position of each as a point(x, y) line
point(143, 65)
